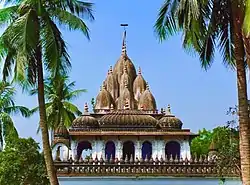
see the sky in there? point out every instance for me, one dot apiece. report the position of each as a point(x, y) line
point(199, 98)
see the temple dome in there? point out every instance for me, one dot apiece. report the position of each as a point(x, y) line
point(169, 121)
point(112, 84)
point(128, 119)
point(139, 85)
point(61, 131)
point(122, 61)
point(104, 99)
point(119, 68)
point(85, 120)
point(147, 100)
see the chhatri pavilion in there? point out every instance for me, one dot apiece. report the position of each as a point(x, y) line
point(125, 123)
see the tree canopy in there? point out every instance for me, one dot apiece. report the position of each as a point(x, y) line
point(21, 163)
point(7, 108)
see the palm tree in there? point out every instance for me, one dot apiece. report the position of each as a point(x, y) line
point(32, 43)
point(8, 107)
point(58, 95)
point(206, 25)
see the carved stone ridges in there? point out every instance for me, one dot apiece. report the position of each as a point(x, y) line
point(172, 167)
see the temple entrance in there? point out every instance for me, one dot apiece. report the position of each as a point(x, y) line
point(173, 148)
point(146, 150)
point(110, 150)
point(128, 150)
point(84, 149)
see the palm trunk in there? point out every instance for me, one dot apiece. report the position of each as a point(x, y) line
point(242, 94)
point(44, 129)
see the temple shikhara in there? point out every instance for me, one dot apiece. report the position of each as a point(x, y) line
point(125, 132)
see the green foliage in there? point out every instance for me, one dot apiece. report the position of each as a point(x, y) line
point(59, 93)
point(32, 28)
point(8, 107)
point(22, 164)
point(205, 25)
point(200, 145)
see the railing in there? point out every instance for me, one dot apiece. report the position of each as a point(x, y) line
point(176, 168)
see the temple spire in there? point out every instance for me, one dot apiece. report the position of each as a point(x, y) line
point(124, 48)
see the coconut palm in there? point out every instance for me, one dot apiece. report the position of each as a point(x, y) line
point(32, 43)
point(59, 94)
point(8, 107)
point(207, 25)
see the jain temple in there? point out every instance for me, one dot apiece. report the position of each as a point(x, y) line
point(126, 134)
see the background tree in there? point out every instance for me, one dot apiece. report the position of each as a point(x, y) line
point(8, 107)
point(208, 25)
point(59, 94)
point(21, 163)
point(32, 41)
point(226, 141)
point(200, 145)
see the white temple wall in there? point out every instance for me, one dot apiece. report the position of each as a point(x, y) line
point(158, 146)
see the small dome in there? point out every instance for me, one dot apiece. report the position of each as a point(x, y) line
point(139, 85)
point(104, 99)
point(85, 120)
point(147, 100)
point(61, 131)
point(169, 121)
point(112, 84)
point(128, 119)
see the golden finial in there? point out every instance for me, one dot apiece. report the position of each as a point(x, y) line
point(126, 84)
point(111, 107)
point(139, 71)
point(86, 108)
point(168, 111)
point(127, 104)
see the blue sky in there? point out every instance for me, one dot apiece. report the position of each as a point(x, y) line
point(200, 99)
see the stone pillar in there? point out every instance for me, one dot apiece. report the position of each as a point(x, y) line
point(118, 149)
point(188, 150)
point(74, 149)
point(94, 149)
point(185, 149)
point(65, 151)
point(138, 147)
point(154, 148)
point(161, 149)
point(99, 148)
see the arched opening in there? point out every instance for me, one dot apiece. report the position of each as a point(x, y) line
point(128, 150)
point(110, 150)
point(84, 149)
point(173, 148)
point(146, 150)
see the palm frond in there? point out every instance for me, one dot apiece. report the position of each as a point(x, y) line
point(25, 112)
point(74, 94)
point(166, 24)
point(76, 7)
point(72, 22)
point(8, 15)
point(55, 51)
point(71, 108)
